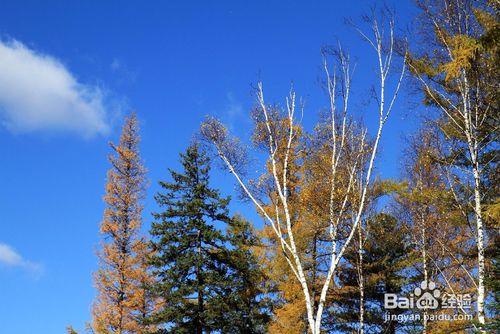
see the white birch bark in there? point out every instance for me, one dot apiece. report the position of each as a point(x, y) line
point(424, 265)
point(283, 229)
point(467, 119)
point(361, 278)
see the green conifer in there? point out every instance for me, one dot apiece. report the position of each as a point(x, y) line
point(206, 277)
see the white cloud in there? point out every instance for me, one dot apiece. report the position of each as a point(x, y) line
point(9, 257)
point(234, 108)
point(37, 92)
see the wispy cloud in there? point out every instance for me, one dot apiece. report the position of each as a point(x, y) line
point(122, 72)
point(233, 111)
point(10, 258)
point(37, 92)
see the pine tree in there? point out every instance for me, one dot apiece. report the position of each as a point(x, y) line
point(205, 276)
point(122, 303)
point(494, 283)
point(248, 304)
point(385, 260)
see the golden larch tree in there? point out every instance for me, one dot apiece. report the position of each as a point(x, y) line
point(122, 302)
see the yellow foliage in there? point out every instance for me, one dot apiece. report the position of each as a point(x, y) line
point(122, 302)
point(463, 50)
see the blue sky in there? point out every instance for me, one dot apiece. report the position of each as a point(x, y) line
point(71, 71)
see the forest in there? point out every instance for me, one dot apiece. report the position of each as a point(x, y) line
point(340, 250)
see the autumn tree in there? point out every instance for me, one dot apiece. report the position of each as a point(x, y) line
point(308, 175)
point(340, 225)
point(70, 330)
point(438, 227)
point(122, 302)
point(456, 66)
point(208, 279)
point(289, 313)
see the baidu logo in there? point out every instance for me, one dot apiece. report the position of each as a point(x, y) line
point(427, 295)
point(424, 297)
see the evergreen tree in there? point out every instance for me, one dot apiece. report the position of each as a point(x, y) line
point(385, 260)
point(247, 305)
point(204, 276)
point(494, 284)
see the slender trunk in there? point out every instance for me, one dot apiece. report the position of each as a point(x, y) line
point(305, 289)
point(121, 314)
point(314, 272)
point(199, 323)
point(361, 329)
point(480, 248)
point(472, 142)
point(425, 270)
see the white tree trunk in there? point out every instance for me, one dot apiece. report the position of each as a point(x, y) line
point(480, 249)
point(471, 130)
point(467, 121)
point(424, 264)
point(361, 278)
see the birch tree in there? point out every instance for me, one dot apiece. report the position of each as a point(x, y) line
point(458, 78)
point(289, 311)
point(343, 156)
